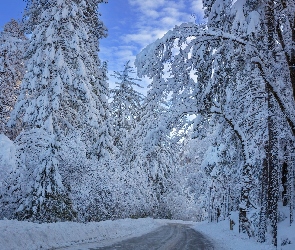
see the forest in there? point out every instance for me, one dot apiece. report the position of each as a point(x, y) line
point(213, 135)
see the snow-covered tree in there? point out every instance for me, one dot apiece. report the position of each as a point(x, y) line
point(61, 93)
point(153, 148)
point(7, 165)
point(103, 142)
point(12, 69)
point(125, 106)
point(237, 67)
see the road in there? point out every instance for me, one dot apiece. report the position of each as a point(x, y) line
point(168, 237)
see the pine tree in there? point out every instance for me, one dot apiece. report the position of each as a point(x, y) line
point(12, 69)
point(125, 106)
point(102, 140)
point(48, 200)
point(154, 151)
point(59, 94)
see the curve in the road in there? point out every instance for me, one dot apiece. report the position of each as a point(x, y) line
point(168, 237)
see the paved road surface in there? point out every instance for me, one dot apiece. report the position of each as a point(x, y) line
point(168, 237)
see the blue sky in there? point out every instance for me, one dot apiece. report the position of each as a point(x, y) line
point(10, 9)
point(132, 24)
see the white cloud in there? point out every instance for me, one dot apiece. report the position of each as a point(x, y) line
point(151, 19)
point(146, 5)
point(144, 36)
point(155, 18)
point(197, 6)
point(117, 56)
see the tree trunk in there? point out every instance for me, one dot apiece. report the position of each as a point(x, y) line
point(264, 208)
point(291, 185)
point(273, 189)
point(272, 158)
point(244, 223)
point(292, 60)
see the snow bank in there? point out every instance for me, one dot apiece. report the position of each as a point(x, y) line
point(227, 239)
point(223, 238)
point(16, 235)
point(286, 233)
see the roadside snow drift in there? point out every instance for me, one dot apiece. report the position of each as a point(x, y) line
point(22, 235)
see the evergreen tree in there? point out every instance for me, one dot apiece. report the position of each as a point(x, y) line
point(12, 69)
point(125, 106)
point(59, 95)
point(153, 148)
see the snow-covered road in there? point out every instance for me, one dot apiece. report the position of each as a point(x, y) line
point(172, 236)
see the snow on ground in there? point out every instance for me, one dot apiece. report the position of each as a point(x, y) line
point(286, 233)
point(227, 239)
point(16, 235)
